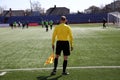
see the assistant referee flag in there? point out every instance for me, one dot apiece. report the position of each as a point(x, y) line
point(50, 59)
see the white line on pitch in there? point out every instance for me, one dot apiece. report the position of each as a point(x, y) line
point(82, 67)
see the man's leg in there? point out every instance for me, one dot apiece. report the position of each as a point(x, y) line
point(55, 65)
point(65, 65)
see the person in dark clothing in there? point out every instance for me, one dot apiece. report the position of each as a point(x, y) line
point(27, 24)
point(11, 25)
point(23, 25)
point(104, 23)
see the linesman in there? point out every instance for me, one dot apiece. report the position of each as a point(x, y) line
point(63, 34)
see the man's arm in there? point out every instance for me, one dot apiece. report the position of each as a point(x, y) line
point(53, 38)
point(71, 38)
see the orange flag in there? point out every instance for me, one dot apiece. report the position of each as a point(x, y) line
point(50, 59)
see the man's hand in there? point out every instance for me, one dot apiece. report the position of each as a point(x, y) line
point(53, 47)
point(71, 48)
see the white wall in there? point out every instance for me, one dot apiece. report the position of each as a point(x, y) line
point(4, 25)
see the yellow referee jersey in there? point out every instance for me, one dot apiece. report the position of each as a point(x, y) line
point(62, 32)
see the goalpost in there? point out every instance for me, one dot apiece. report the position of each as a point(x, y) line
point(113, 19)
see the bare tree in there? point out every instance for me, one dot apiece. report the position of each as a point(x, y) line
point(92, 9)
point(27, 12)
point(1, 10)
point(36, 6)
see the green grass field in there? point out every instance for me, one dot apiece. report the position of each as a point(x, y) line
point(29, 48)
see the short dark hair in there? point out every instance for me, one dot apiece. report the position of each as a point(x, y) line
point(63, 18)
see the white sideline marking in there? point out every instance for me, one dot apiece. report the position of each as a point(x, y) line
point(84, 67)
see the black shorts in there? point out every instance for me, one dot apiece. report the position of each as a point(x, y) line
point(63, 46)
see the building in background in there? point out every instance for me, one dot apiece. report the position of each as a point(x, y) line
point(58, 11)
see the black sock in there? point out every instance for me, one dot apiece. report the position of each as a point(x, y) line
point(55, 63)
point(64, 65)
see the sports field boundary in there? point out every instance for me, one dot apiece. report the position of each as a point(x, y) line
point(49, 68)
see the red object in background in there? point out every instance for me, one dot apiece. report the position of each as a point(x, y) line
point(33, 24)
